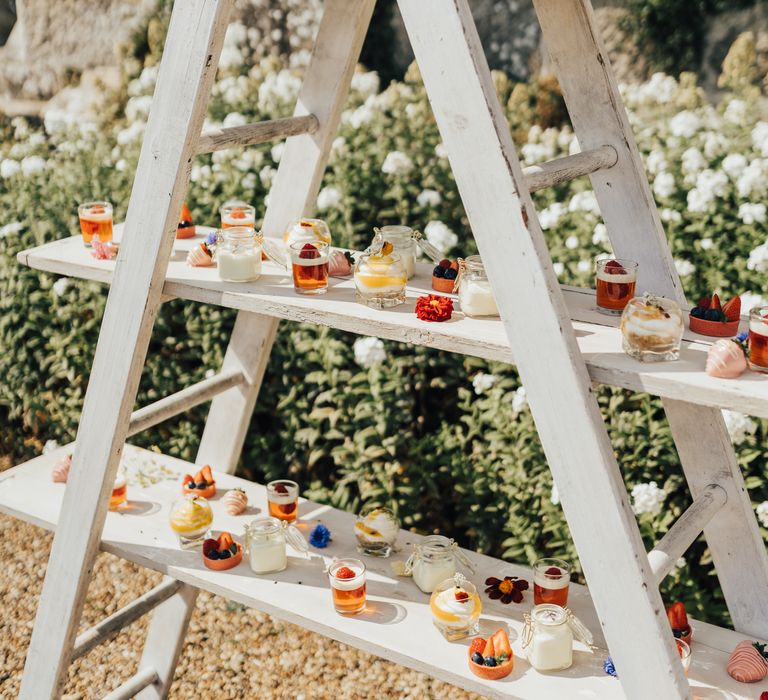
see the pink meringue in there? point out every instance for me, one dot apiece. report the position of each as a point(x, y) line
point(235, 501)
point(725, 359)
point(60, 470)
point(199, 257)
point(338, 264)
point(747, 664)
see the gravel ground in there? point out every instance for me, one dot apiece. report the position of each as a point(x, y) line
point(230, 651)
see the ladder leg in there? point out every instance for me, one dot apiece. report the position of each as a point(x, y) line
point(186, 75)
point(573, 433)
point(323, 93)
point(733, 536)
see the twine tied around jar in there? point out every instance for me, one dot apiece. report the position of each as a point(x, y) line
point(453, 547)
point(579, 629)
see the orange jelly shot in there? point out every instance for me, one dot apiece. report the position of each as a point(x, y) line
point(95, 220)
point(283, 500)
point(347, 577)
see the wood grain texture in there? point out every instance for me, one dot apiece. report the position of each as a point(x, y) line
point(560, 170)
point(398, 624)
point(184, 82)
point(252, 134)
point(500, 211)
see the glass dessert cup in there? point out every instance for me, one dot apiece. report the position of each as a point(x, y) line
point(380, 280)
point(119, 496)
point(551, 579)
point(310, 265)
point(95, 220)
point(615, 284)
point(266, 541)
point(376, 531)
point(403, 243)
point(238, 257)
point(306, 231)
point(283, 499)
point(347, 578)
point(652, 328)
point(191, 519)
point(758, 339)
point(456, 608)
point(685, 655)
point(236, 214)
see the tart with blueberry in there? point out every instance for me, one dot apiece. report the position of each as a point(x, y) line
point(710, 317)
point(222, 553)
point(444, 276)
point(201, 484)
point(678, 621)
point(491, 659)
point(185, 229)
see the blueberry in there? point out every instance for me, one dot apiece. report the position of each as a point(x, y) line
point(226, 554)
point(477, 657)
point(438, 272)
point(490, 661)
point(712, 315)
point(451, 274)
point(213, 554)
point(202, 484)
point(697, 312)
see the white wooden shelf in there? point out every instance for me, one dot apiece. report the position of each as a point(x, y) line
point(397, 624)
point(598, 335)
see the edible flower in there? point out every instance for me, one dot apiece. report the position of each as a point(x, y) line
point(320, 536)
point(609, 668)
point(434, 307)
point(507, 590)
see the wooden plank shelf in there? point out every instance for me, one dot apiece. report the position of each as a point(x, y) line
point(397, 624)
point(597, 334)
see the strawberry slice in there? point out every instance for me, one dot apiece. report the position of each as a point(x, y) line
point(281, 488)
point(225, 541)
point(732, 309)
point(207, 475)
point(478, 644)
point(461, 596)
point(553, 572)
point(185, 217)
point(489, 650)
point(187, 478)
point(678, 619)
point(501, 643)
point(344, 573)
point(716, 303)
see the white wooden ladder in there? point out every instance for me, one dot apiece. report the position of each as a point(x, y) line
point(496, 194)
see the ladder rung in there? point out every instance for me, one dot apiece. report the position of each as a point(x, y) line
point(183, 400)
point(688, 527)
point(555, 172)
point(250, 134)
point(135, 684)
point(110, 626)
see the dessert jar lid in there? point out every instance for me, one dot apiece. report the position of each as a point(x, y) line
point(261, 528)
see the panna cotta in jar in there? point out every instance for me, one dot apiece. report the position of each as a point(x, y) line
point(191, 519)
point(376, 531)
point(380, 279)
point(652, 328)
point(475, 293)
point(456, 607)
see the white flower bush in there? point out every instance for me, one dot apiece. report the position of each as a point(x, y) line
point(647, 498)
point(329, 198)
point(482, 382)
point(369, 351)
point(440, 236)
point(397, 164)
point(762, 513)
point(740, 427)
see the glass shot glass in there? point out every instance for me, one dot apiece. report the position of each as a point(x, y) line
point(347, 579)
point(758, 339)
point(551, 579)
point(95, 220)
point(310, 265)
point(376, 531)
point(615, 284)
point(237, 214)
point(283, 499)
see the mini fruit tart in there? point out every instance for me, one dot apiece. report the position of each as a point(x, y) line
point(186, 228)
point(710, 317)
point(222, 553)
point(201, 484)
point(444, 276)
point(678, 621)
point(491, 659)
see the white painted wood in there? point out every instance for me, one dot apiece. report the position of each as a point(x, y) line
point(734, 538)
point(397, 627)
point(686, 529)
point(184, 83)
point(325, 88)
point(110, 626)
point(500, 212)
point(251, 134)
point(560, 170)
point(143, 678)
point(183, 400)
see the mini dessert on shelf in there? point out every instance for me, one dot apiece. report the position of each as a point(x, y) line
point(491, 659)
point(709, 317)
point(200, 256)
point(283, 499)
point(222, 553)
point(380, 279)
point(119, 494)
point(615, 285)
point(551, 580)
point(548, 637)
point(186, 228)
point(434, 560)
point(307, 230)
point(265, 543)
point(678, 620)
point(60, 471)
point(434, 308)
point(475, 293)
point(652, 328)
point(758, 339)
point(201, 484)
point(347, 579)
point(748, 662)
point(237, 214)
point(235, 501)
point(340, 263)
point(238, 257)
point(444, 276)
point(456, 607)
point(403, 243)
point(95, 222)
point(191, 519)
point(376, 531)
point(726, 359)
point(309, 262)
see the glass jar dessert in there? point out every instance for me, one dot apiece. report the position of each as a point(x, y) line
point(376, 531)
point(238, 257)
point(434, 560)
point(347, 579)
point(551, 580)
point(310, 265)
point(403, 243)
point(266, 541)
point(548, 637)
point(652, 328)
point(95, 220)
point(456, 608)
point(475, 293)
point(380, 279)
point(758, 339)
point(283, 499)
point(119, 496)
point(191, 519)
point(307, 230)
point(237, 214)
point(615, 284)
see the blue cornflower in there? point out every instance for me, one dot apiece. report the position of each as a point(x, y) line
point(212, 238)
point(320, 536)
point(609, 668)
point(741, 337)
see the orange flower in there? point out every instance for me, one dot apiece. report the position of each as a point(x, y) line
point(434, 307)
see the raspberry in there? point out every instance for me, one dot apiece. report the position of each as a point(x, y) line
point(461, 596)
point(345, 572)
point(280, 488)
point(309, 252)
point(553, 571)
point(444, 263)
point(612, 267)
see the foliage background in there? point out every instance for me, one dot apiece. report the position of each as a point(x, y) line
point(447, 440)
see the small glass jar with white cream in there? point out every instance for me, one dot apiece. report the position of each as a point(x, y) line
point(475, 293)
point(238, 258)
point(435, 559)
point(403, 243)
point(548, 637)
point(266, 541)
